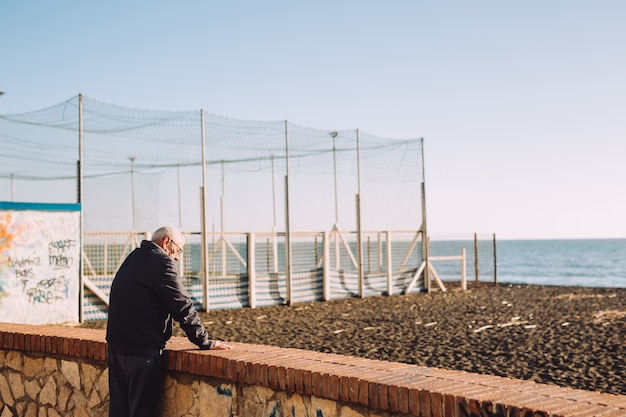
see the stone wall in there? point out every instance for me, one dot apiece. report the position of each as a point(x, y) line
point(49, 371)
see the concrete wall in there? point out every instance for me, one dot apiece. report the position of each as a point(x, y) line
point(39, 262)
point(60, 371)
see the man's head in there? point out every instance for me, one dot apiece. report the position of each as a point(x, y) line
point(170, 239)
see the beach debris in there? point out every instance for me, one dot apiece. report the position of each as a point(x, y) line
point(339, 331)
point(565, 324)
point(261, 317)
point(432, 323)
point(574, 296)
point(530, 326)
point(515, 321)
point(372, 328)
point(485, 327)
point(606, 316)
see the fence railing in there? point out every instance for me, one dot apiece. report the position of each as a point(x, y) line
point(249, 270)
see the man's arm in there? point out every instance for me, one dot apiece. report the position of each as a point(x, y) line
point(181, 308)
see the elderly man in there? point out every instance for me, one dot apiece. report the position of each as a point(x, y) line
point(147, 295)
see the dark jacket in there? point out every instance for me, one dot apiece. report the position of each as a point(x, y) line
point(146, 296)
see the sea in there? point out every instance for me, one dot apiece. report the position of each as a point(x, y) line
point(572, 262)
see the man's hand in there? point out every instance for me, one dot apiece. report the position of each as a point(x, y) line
point(219, 345)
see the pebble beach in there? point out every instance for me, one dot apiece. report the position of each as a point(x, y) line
point(568, 336)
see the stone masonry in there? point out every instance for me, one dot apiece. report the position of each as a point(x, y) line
point(49, 371)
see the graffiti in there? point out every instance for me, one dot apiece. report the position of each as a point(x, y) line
point(48, 291)
point(22, 262)
point(24, 275)
point(39, 264)
point(60, 261)
point(61, 245)
point(57, 250)
point(27, 269)
point(24, 268)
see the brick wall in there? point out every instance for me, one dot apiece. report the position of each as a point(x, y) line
point(54, 371)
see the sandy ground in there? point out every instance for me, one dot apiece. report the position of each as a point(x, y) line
point(568, 336)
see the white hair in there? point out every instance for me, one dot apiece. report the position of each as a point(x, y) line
point(168, 231)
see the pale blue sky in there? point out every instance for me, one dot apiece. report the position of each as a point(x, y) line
point(522, 105)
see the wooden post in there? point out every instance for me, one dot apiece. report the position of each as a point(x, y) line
point(476, 257)
point(325, 266)
point(389, 261)
point(463, 270)
point(251, 269)
point(495, 262)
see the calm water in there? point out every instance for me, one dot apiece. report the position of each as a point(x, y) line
point(577, 262)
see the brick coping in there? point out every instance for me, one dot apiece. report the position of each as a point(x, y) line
point(379, 385)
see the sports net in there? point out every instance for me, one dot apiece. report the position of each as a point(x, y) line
point(143, 168)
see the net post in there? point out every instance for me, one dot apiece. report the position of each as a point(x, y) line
point(359, 247)
point(79, 198)
point(424, 228)
point(325, 266)
point(204, 221)
point(287, 221)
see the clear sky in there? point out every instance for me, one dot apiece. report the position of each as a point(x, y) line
point(522, 105)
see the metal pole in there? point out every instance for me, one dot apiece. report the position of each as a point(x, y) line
point(80, 150)
point(275, 242)
point(334, 136)
point(132, 189)
point(287, 225)
point(81, 293)
point(180, 208)
point(358, 162)
point(425, 239)
point(205, 243)
point(359, 236)
point(222, 201)
point(273, 195)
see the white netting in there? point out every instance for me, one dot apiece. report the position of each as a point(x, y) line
point(143, 168)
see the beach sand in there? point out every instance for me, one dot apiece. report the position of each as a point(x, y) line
point(568, 336)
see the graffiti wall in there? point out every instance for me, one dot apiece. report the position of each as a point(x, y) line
point(39, 263)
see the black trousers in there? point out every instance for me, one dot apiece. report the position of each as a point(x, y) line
point(135, 385)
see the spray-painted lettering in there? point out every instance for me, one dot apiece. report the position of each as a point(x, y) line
point(48, 290)
point(60, 261)
point(57, 250)
point(24, 262)
point(24, 274)
point(60, 246)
